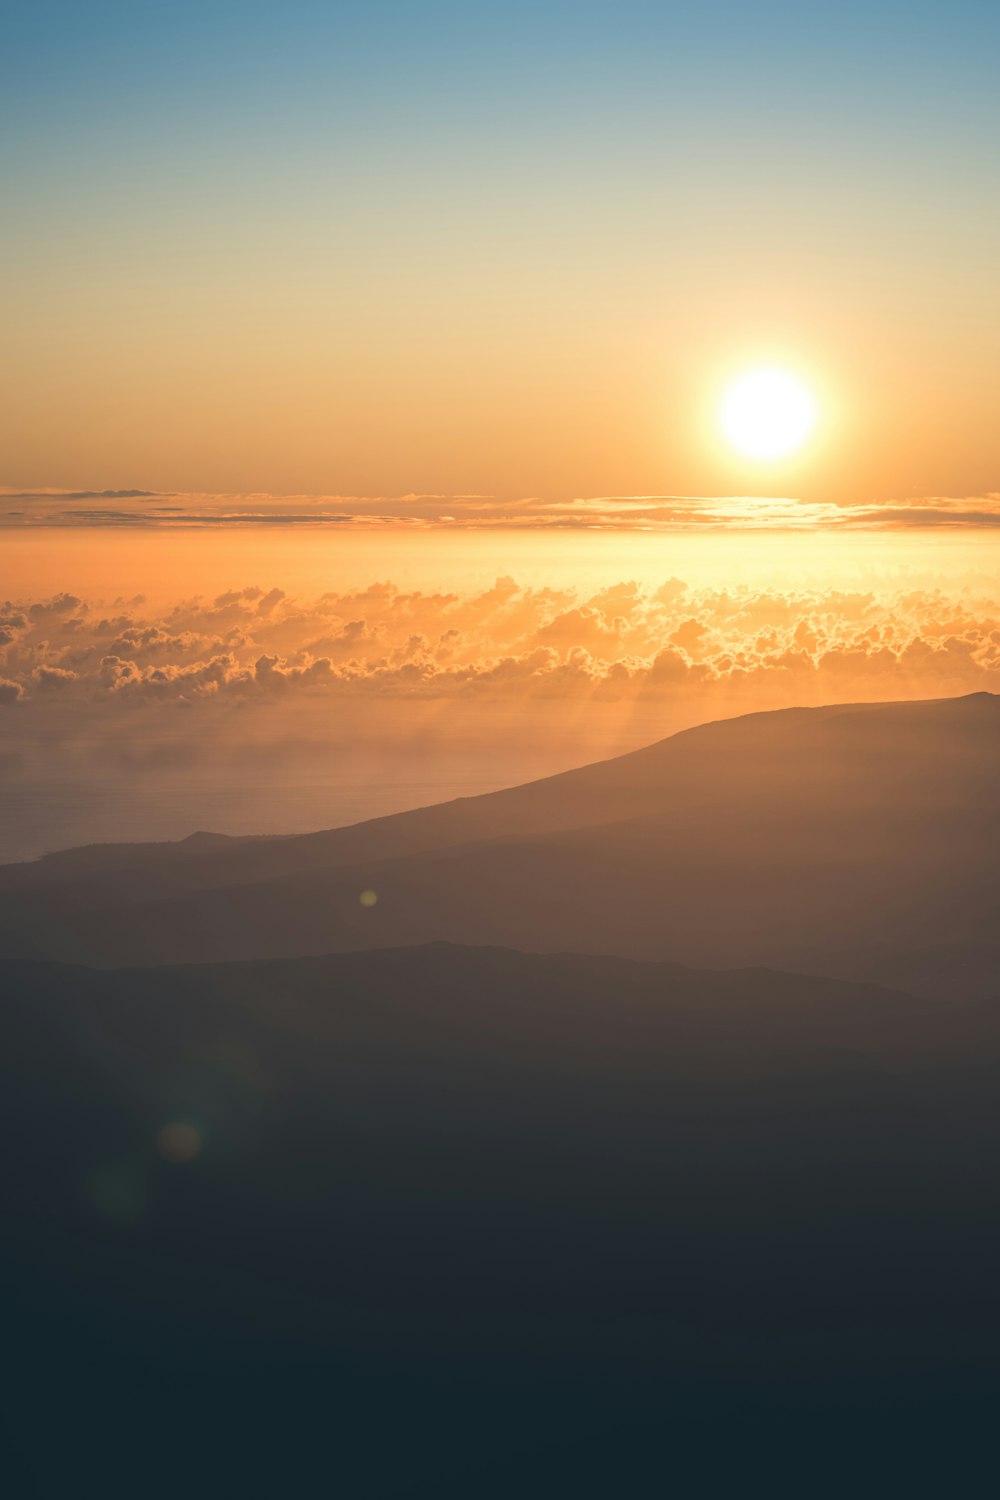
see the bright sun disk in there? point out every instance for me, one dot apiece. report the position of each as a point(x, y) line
point(767, 414)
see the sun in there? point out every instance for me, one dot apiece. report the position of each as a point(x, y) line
point(767, 414)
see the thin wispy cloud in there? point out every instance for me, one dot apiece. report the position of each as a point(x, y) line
point(142, 508)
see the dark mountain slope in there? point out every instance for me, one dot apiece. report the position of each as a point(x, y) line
point(844, 841)
point(345, 1094)
point(872, 749)
point(466, 1198)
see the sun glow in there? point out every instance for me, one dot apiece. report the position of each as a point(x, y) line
point(767, 414)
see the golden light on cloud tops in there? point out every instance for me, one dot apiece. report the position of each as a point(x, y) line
point(767, 414)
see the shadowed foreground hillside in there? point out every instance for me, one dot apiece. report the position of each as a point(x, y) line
point(475, 1222)
point(861, 841)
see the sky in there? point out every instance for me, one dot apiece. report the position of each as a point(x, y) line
point(363, 369)
point(391, 250)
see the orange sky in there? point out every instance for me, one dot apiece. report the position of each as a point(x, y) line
point(451, 249)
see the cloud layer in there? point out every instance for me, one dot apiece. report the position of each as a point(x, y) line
point(729, 648)
point(256, 711)
point(148, 510)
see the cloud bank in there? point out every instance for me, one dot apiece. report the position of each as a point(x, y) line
point(256, 711)
point(148, 510)
point(727, 648)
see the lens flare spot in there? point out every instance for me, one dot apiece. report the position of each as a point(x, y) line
point(368, 898)
point(178, 1142)
point(117, 1191)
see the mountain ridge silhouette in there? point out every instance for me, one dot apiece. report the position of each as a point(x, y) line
point(840, 841)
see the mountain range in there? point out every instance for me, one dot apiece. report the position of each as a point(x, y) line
point(620, 1133)
point(452, 1212)
point(855, 841)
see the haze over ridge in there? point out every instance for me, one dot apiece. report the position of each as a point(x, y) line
point(836, 840)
